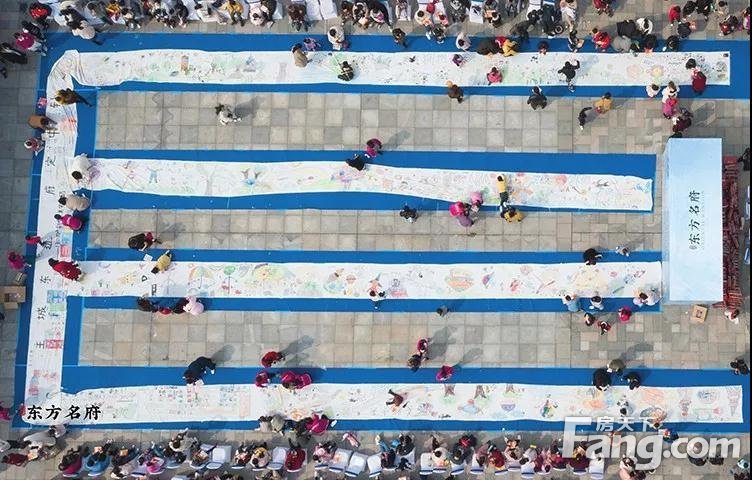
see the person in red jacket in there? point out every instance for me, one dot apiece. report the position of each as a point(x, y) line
point(16, 459)
point(444, 373)
point(263, 379)
point(270, 358)
point(601, 39)
point(674, 14)
point(318, 424)
point(603, 6)
point(68, 270)
point(70, 221)
point(699, 81)
point(295, 457)
point(39, 12)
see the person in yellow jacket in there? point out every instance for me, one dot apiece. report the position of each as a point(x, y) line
point(235, 11)
point(163, 262)
point(510, 214)
point(509, 48)
point(604, 104)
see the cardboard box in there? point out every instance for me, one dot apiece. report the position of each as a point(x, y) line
point(699, 313)
point(12, 296)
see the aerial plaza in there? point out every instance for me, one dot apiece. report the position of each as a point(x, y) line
point(375, 239)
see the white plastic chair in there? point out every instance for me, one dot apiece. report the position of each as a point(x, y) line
point(513, 465)
point(139, 471)
point(596, 468)
point(458, 468)
point(357, 465)
point(305, 461)
point(340, 460)
point(475, 467)
point(374, 465)
point(278, 458)
point(320, 466)
point(219, 456)
point(500, 472)
point(426, 463)
point(527, 471)
point(410, 457)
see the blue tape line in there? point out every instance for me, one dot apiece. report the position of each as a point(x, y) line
point(59, 42)
point(400, 426)
point(386, 257)
point(365, 305)
point(73, 325)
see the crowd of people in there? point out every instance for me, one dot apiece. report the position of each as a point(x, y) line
point(330, 453)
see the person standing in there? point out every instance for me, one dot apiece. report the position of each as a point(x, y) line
point(616, 366)
point(569, 71)
point(601, 40)
point(455, 92)
point(82, 28)
point(572, 303)
point(409, 214)
point(596, 303)
point(444, 373)
point(27, 42)
point(373, 147)
point(699, 81)
point(336, 36)
point(537, 100)
point(272, 357)
point(197, 369)
point(17, 262)
point(399, 37)
point(574, 43)
point(739, 366)
point(652, 90)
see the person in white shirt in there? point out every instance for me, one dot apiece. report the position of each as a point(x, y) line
point(462, 42)
point(79, 167)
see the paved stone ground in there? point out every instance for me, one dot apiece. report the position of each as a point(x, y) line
point(284, 121)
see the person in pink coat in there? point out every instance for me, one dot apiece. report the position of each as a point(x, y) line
point(318, 424)
point(194, 307)
point(669, 107)
point(70, 221)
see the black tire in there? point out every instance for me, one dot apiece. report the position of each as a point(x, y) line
point(559, 29)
